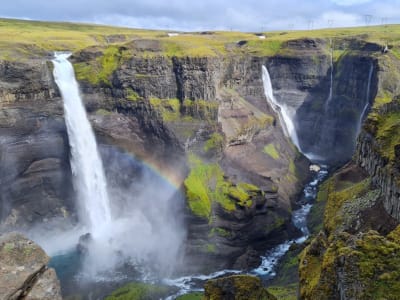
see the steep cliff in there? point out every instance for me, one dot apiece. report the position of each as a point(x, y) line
point(353, 256)
point(193, 106)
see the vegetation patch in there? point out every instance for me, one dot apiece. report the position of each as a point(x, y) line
point(206, 184)
point(215, 143)
point(168, 108)
point(388, 134)
point(191, 296)
point(271, 150)
point(132, 95)
point(336, 199)
point(287, 292)
point(139, 291)
point(100, 70)
point(220, 232)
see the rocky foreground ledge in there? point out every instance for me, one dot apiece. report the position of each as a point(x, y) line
point(24, 273)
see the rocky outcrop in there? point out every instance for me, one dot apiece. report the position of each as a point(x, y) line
point(351, 258)
point(23, 271)
point(380, 157)
point(236, 287)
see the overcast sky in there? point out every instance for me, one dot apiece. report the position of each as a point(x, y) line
point(244, 15)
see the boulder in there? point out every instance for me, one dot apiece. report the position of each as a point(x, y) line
point(23, 270)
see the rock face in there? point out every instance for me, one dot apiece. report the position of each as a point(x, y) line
point(355, 255)
point(327, 126)
point(24, 272)
point(380, 158)
point(237, 287)
point(164, 109)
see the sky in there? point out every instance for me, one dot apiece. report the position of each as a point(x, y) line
point(193, 15)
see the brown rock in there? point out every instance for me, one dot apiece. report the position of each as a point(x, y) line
point(24, 272)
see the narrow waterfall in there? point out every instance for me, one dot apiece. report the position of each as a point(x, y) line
point(86, 164)
point(284, 114)
point(367, 95)
point(328, 101)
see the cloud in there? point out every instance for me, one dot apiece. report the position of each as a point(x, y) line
point(250, 15)
point(350, 2)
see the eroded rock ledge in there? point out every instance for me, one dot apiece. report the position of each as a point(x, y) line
point(23, 271)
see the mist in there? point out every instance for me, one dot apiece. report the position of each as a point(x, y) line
point(146, 233)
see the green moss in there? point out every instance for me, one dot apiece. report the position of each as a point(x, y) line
point(215, 143)
point(248, 187)
point(206, 184)
point(191, 296)
point(388, 133)
point(220, 231)
point(100, 70)
point(288, 292)
point(292, 167)
point(271, 150)
point(132, 95)
point(210, 248)
point(244, 287)
point(168, 108)
point(103, 112)
point(139, 291)
point(201, 109)
point(336, 199)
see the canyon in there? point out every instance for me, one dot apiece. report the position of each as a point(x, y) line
point(205, 125)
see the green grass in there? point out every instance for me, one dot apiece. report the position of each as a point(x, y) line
point(191, 296)
point(288, 292)
point(26, 39)
point(271, 150)
point(139, 291)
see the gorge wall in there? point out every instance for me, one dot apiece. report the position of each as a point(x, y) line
point(205, 120)
point(352, 257)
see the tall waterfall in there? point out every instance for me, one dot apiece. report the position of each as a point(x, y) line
point(367, 95)
point(328, 101)
point(284, 114)
point(86, 164)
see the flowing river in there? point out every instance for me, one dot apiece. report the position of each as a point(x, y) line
point(271, 259)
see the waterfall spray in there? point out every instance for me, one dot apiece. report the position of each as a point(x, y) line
point(86, 164)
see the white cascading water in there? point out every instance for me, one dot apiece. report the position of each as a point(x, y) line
point(284, 114)
point(328, 101)
point(371, 70)
point(86, 164)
